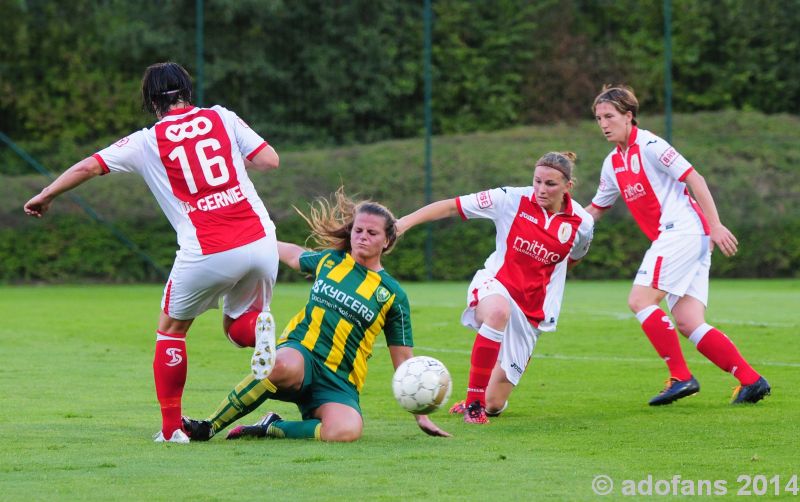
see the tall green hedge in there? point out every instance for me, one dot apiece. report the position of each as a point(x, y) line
point(749, 160)
point(316, 72)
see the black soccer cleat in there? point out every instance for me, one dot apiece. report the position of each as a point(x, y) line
point(475, 414)
point(197, 430)
point(257, 430)
point(752, 393)
point(676, 389)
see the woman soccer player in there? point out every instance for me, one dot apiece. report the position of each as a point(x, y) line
point(540, 232)
point(653, 179)
point(322, 354)
point(194, 160)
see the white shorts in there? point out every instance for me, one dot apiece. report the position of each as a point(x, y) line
point(678, 265)
point(243, 277)
point(519, 337)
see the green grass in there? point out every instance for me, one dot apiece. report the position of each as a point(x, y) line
point(79, 405)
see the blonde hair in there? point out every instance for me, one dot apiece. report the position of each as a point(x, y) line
point(621, 98)
point(563, 162)
point(332, 223)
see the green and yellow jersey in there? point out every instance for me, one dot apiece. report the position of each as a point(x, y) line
point(348, 306)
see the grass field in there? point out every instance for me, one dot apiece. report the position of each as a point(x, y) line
point(79, 406)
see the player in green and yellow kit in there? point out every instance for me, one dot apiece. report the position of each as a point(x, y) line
point(322, 355)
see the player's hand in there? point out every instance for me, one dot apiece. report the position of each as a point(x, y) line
point(430, 428)
point(37, 206)
point(725, 239)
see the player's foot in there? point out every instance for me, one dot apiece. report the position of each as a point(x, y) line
point(197, 430)
point(459, 408)
point(752, 393)
point(264, 353)
point(492, 413)
point(178, 436)
point(475, 414)
point(676, 389)
point(258, 429)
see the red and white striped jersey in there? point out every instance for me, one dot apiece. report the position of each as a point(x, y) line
point(192, 161)
point(532, 247)
point(650, 175)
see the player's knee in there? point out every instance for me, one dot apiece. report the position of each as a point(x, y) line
point(494, 404)
point(686, 326)
point(497, 317)
point(287, 373)
point(343, 432)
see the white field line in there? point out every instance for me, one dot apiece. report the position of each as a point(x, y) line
point(615, 359)
point(627, 315)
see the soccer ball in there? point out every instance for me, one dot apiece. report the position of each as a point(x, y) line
point(421, 385)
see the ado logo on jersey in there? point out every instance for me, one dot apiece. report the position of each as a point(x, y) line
point(187, 130)
point(382, 294)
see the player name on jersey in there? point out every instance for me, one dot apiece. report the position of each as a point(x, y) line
point(216, 200)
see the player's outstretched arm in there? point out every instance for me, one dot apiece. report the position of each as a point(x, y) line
point(433, 211)
point(290, 253)
point(595, 212)
point(399, 354)
point(720, 235)
point(83, 171)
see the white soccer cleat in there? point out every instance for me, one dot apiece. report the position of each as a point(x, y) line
point(264, 353)
point(178, 436)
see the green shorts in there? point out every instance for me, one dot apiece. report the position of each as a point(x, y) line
point(320, 385)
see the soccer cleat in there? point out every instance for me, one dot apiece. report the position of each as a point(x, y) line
point(178, 436)
point(498, 412)
point(676, 389)
point(264, 353)
point(752, 393)
point(475, 414)
point(257, 430)
point(197, 430)
point(459, 408)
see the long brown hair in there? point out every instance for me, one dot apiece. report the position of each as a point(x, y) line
point(332, 222)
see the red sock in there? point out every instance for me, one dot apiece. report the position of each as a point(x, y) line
point(720, 350)
point(662, 335)
point(169, 370)
point(484, 357)
point(242, 331)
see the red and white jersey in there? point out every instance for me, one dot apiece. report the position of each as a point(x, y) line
point(532, 247)
point(192, 161)
point(650, 175)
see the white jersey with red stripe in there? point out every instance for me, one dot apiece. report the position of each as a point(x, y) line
point(192, 161)
point(650, 175)
point(533, 247)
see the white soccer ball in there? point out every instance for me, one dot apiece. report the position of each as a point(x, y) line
point(422, 385)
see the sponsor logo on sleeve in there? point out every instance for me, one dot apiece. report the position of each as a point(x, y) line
point(602, 184)
point(484, 199)
point(122, 142)
point(668, 157)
